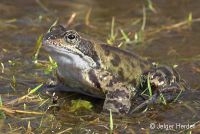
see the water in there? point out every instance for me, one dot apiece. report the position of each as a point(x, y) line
point(22, 22)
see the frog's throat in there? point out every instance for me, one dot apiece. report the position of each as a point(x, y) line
point(65, 55)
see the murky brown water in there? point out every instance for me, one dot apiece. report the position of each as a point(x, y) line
point(22, 22)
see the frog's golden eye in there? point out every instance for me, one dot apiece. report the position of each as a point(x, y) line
point(72, 37)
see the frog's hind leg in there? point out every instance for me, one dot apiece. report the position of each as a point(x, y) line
point(165, 84)
point(167, 93)
point(171, 92)
point(118, 99)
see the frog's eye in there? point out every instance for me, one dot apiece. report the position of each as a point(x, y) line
point(72, 37)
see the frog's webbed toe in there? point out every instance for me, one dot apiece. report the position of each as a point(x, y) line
point(118, 100)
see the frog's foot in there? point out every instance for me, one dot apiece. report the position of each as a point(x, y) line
point(166, 82)
point(51, 83)
point(171, 92)
point(144, 104)
point(165, 87)
point(56, 86)
point(51, 86)
point(118, 100)
point(164, 95)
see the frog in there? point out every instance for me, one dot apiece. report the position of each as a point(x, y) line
point(103, 71)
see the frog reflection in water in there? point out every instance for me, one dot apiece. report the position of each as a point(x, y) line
point(104, 71)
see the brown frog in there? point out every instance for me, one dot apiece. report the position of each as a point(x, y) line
point(107, 72)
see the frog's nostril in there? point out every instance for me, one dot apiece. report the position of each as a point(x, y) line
point(49, 36)
point(52, 37)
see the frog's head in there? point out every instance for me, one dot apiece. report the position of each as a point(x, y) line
point(69, 48)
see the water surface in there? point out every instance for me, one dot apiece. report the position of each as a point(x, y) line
point(22, 22)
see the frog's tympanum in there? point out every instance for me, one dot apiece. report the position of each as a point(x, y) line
point(104, 71)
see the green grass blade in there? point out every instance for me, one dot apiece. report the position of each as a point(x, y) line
point(111, 122)
point(37, 47)
point(2, 115)
point(149, 86)
point(35, 89)
point(54, 23)
point(144, 19)
point(178, 96)
point(163, 100)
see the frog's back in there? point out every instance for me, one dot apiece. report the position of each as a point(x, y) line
point(127, 65)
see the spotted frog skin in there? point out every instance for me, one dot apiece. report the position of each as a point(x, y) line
point(104, 71)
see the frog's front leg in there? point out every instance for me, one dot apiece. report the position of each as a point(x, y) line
point(118, 99)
